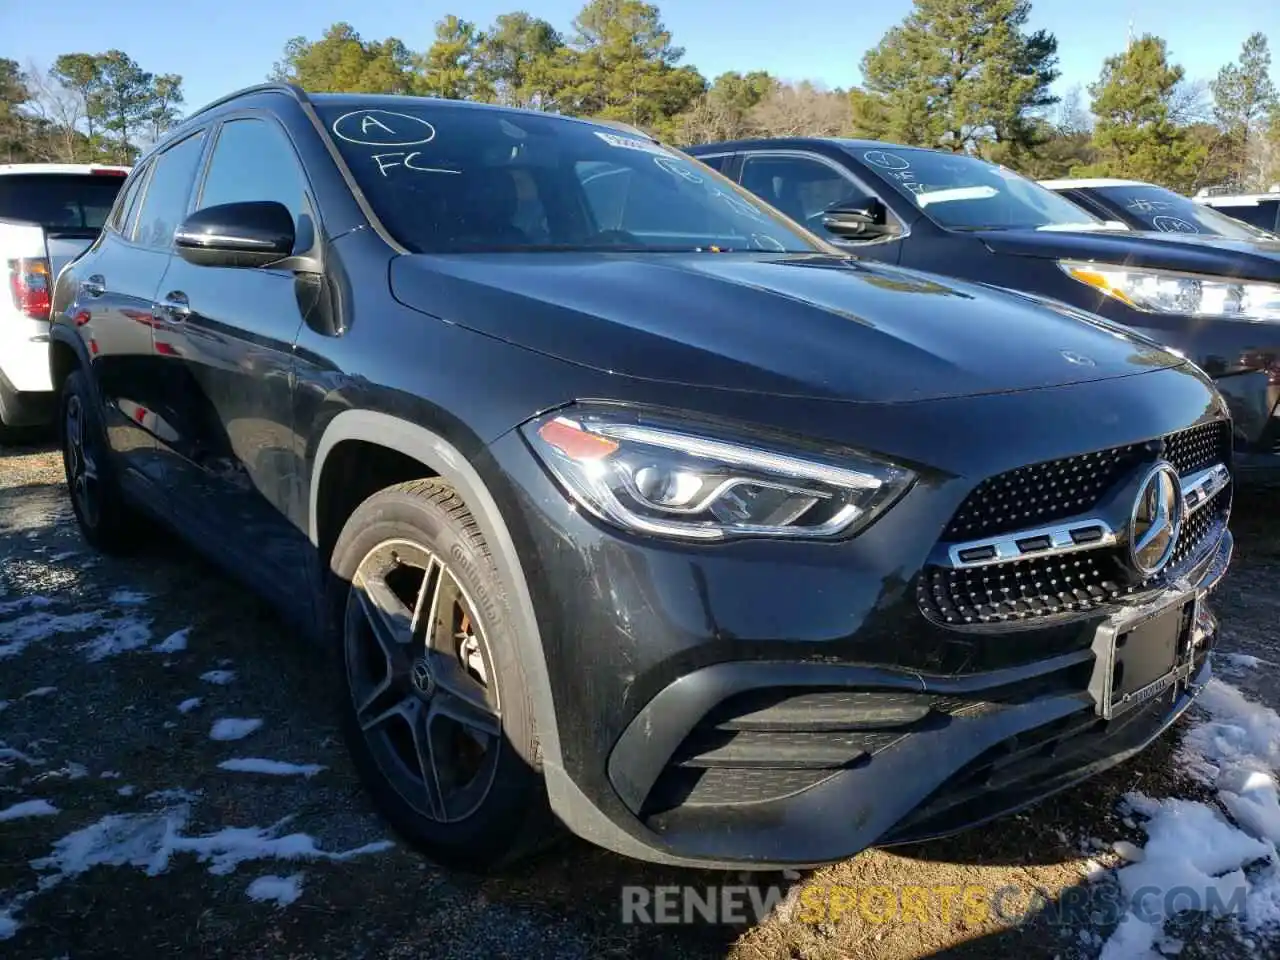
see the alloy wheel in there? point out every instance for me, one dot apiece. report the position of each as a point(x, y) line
point(422, 681)
point(78, 460)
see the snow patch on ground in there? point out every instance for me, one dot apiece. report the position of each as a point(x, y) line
point(69, 771)
point(1221, 860)
point(274, 767)
point(121, 636)
point(1239, 662)
point(173, 643)
point(25, 603)
point(28, 808)
point(8, 753)
point(189, 704)
point(233, 728)
point(219, 677)
point(129, 598)
point(39, 692)
point(280, 890)
point(18, 634)
point(150, 842)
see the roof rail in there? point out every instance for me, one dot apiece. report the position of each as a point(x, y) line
point(292, 89)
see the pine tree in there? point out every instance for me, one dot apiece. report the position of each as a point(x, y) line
point(622, 65)
point(1243, 98)
point(958, 74)
point(342, 62)
point(1135, 135)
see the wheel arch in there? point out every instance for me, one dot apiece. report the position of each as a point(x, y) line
point(67, 353)
point(441, 458)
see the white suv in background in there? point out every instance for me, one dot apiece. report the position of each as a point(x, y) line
point(49, 214)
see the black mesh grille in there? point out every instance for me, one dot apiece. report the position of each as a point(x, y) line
point(1198, 527)
point(1199, 447)
point(1047, 492)
point(1036, 587)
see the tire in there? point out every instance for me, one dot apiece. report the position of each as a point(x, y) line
point(453, 681)
point(106, 520)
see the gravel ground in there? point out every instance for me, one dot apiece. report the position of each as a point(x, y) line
point(98, 654)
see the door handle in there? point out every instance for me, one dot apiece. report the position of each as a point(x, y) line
point(174, 308)
point(94, 286)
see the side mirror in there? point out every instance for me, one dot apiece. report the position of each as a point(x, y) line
point(249, 234)
point(857, 217)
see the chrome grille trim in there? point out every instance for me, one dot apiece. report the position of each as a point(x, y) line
point(1070, 537)
point(1199, 488)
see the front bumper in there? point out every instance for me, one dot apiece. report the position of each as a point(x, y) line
point(761, 704)
point(937, 754)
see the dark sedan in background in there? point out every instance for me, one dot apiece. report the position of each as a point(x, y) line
point(1147, 206)
point(1216, 302)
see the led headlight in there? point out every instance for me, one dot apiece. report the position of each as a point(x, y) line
point(1188, 294)
point(670, 478)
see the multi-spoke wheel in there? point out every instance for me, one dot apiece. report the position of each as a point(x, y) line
point(105, 519)
point(418, 666)
point(82, 471)
point(437, 712)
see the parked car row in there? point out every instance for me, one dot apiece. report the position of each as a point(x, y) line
point(738, 513)
point(1215, 300)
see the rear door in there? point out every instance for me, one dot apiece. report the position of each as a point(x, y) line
point(115, 290)
point(225, 350)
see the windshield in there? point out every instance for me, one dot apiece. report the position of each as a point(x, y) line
point(449, 178)
point(1155, 208)
point(59, 200)
point(964, 193)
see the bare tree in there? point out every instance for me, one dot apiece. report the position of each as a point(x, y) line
point(1071, 115)
point(1190, 103)
point(803, 109)
point(59, 111)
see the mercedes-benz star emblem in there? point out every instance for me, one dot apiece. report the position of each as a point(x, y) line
point(420, 675)
point(1156, 520)
point(1079, 359)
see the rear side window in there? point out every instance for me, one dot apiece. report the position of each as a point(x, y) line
point(719, 162)
point(164, 205)
point(59, 200)
point(120, 216)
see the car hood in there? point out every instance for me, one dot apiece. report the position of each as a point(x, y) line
point(798, 325)
point(1219, 256)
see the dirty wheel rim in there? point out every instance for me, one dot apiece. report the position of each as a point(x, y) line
point(78, 459)
point(422, 680)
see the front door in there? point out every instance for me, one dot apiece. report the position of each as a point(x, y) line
point(803, 186)
point(225, 349)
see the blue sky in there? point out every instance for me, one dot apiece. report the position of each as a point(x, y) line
point(222, 45)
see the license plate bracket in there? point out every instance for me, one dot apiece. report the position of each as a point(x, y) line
point(1141, 657)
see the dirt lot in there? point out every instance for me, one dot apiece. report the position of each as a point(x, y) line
point(148, 848)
